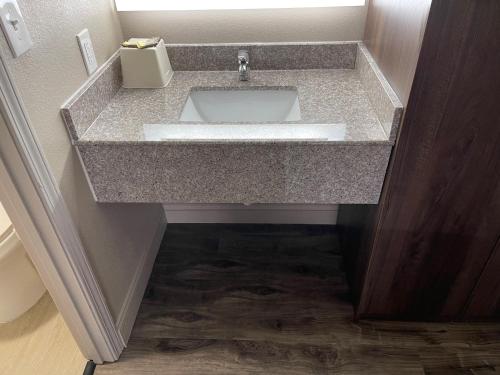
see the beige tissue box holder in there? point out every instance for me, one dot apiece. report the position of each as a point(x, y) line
point(146, 68)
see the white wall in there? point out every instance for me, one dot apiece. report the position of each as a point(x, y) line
point(114, 236)
point(325, 214)
point(267, 25)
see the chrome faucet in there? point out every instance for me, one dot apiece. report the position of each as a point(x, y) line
point(243, 61)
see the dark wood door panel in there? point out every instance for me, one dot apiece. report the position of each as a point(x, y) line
point(485, 300)
point(439, 216)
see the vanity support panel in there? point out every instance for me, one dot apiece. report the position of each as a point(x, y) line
point(235, 173)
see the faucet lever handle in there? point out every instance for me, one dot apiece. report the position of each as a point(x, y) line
point(243, 64)
point(243, 56)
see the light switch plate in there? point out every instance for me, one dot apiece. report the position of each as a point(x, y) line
point(14, 27)
point(87, 51)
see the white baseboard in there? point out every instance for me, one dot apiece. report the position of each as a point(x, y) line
point(254, 214)
point(130, 308)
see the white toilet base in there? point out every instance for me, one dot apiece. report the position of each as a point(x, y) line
point(20, 285)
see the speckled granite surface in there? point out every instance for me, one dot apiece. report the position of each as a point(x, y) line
point(264, 56)
point(236, 173)
point(123, 167)
point(81, 110)
point(382, 97)
point(325, 96)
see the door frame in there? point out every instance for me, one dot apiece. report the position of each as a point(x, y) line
point(33, 201)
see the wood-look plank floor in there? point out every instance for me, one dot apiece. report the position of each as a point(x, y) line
point(39, 343)
point(254, 299)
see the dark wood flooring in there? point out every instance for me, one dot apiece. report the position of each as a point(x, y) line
point(263, 299)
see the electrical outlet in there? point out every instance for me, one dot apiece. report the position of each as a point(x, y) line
point(87, 51)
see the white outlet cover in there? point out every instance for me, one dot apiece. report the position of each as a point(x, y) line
point(87, 51)
point(14, 27)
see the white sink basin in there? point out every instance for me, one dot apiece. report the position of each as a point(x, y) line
point(244, 132)
point(242, 105)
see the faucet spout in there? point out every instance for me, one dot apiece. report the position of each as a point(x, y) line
point(244, 68)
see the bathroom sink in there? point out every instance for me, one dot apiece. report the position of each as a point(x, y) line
point(244, 132)
point(242, 105)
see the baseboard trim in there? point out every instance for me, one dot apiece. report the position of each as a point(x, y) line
point(255, 214)
point(133, 299)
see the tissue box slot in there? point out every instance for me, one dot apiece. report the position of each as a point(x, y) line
point(145, 67)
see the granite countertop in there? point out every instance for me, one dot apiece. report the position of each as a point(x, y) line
point(326, 96)
point(349, 122)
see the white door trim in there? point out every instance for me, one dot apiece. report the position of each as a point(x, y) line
point(45, 224)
